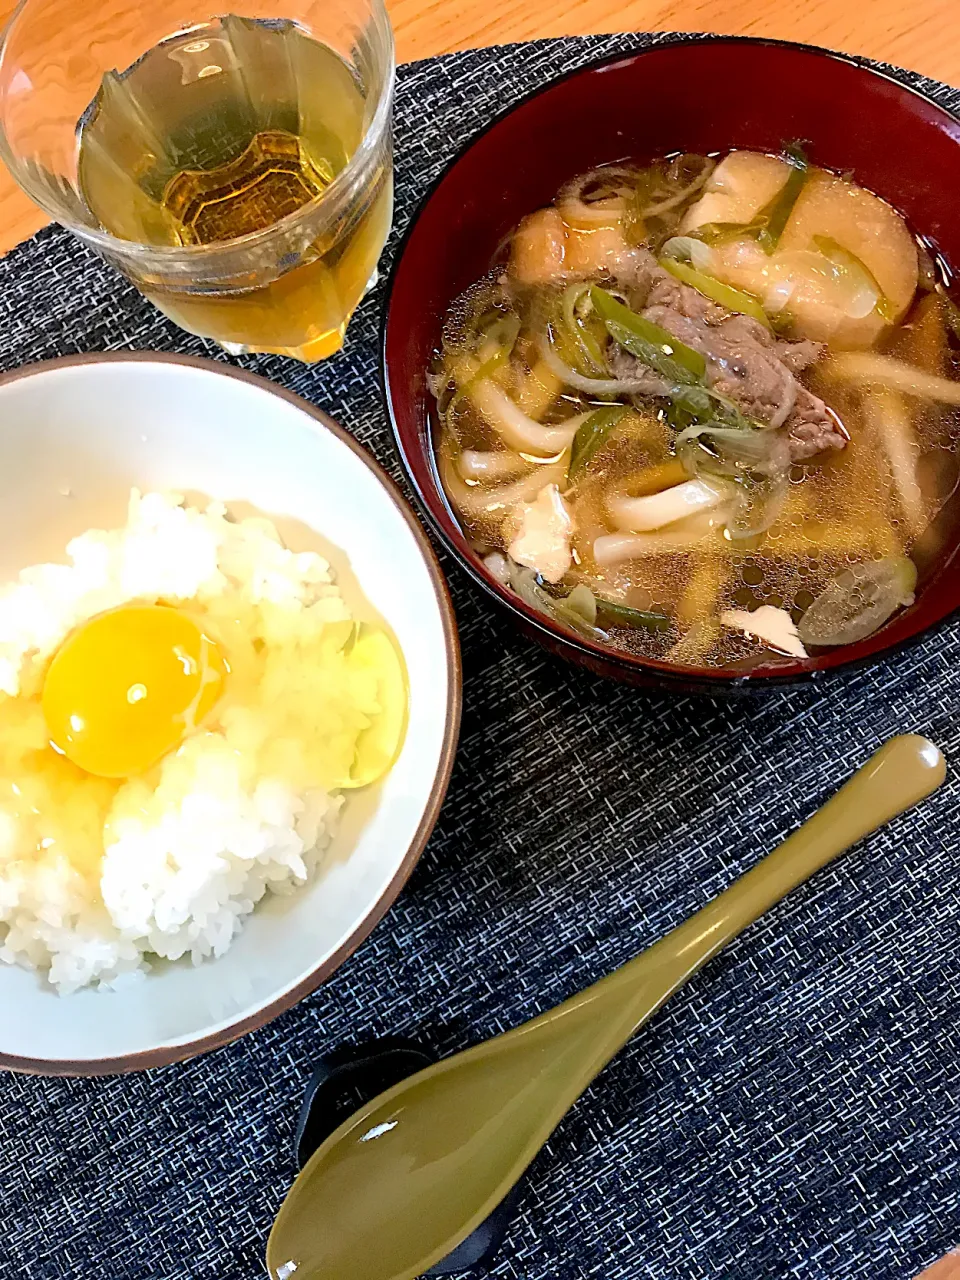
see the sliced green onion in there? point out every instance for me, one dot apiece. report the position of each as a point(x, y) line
point(723, 294)
point(775, 216)
point(759, 502)
point(841, 257)
point(591, 434)
point(700, 404)
point(783, 323)
point(578, 608)
point(858, 601)
point(689, 249)
point(622, 615)
point(654, 342)
point(504, 332)
point(654, 357)
point(682, 368)
point(754, 445)
point(751, 448)
point(717, 233)
point(586, 344)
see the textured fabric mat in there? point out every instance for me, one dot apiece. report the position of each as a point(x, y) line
point(795, 1112)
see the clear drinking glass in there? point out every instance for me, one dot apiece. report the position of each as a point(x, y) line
point(237, 168)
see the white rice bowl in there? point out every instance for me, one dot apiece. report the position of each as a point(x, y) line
point(75, 437)
point(193, 845)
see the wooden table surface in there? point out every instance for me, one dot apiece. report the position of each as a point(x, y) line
point(921, 34)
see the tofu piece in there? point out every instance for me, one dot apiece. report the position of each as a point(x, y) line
point(538, 251)
point(772, 627)
point(544, 529)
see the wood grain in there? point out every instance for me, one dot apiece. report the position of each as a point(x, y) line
point(913, 33)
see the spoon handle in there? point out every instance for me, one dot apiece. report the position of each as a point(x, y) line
point(902, 772)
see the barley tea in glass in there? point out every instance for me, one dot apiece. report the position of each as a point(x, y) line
point(237, 167)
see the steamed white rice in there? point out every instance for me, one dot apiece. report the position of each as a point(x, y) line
point(106, 874)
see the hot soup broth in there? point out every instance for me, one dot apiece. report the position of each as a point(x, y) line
point(706, 411)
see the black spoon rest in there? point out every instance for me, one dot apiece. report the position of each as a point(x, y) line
point(344, 1080)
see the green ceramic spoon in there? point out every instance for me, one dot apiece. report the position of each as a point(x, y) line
point(410, 1175)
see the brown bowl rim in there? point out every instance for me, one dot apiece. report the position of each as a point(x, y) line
point(166, 1055)
point(649, 672)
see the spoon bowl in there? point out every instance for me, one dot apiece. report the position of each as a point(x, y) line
point(416, 1170)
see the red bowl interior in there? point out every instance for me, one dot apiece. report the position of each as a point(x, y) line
point(700, 96)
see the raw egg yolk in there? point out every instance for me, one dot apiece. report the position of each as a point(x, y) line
point(126, 687)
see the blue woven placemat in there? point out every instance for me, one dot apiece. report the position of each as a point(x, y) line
point(794, 1113)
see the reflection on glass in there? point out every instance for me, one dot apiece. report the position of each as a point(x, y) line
point(239, 171)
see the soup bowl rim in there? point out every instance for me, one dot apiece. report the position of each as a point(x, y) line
point(554, 635)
